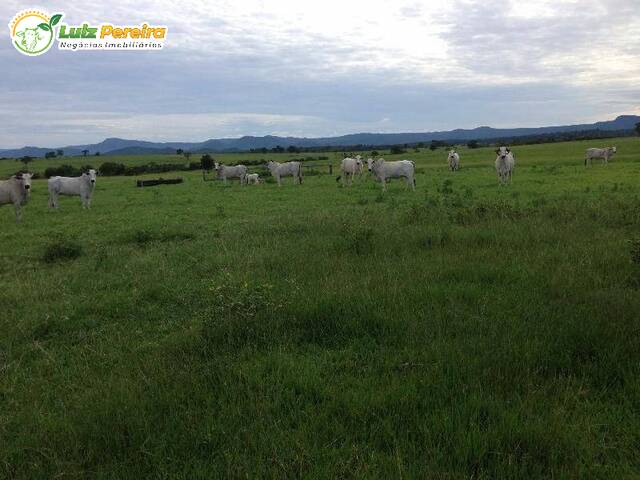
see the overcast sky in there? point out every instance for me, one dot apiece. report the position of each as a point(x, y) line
point(321, 68)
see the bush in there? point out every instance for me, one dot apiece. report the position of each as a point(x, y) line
point(62, 250)
point(62, 171)
point(397, 150)
point(207, 162)
point(111, 168)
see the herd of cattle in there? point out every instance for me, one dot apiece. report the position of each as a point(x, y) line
point(17, 189)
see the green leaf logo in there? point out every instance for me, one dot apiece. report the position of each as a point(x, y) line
point(45, 27)
point(55, 19)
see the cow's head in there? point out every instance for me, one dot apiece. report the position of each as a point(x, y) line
point(376, 164)
point(613, 149)
point(216, 166)
point(452, 153)
point(90, 175)
point(25, 181)
point(369, 163)
point(29, 38)
point(503, 151)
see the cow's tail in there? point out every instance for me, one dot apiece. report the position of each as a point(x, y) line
point(300, 173)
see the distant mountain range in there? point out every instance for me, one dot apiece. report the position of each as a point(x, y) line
point(119, 146)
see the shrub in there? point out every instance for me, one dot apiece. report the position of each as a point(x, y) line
point(62, 171)
point(111, 168)
point(62, 250)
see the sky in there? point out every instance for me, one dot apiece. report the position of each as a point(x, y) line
point(322, 68)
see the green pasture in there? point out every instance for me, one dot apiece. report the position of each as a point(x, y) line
point(464, 330)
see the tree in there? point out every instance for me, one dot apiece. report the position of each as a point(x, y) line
point(186, 155)
point(638, 128)
point(85, 152)
point(436, 144)
point(51, 154)
point(472, 144)
point(179, 152)
point(207, 162)
point(60, 153)
point(26, 160)
point(375, 153)
point(293, 149)
point(97, 154)
point(397, 150)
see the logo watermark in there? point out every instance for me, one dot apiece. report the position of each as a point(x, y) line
point(33, 33)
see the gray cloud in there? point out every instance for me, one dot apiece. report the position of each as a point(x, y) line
point(234, 72)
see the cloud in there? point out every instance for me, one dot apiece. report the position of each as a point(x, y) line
point(323, 68)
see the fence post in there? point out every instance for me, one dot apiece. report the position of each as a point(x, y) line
point(331, 169)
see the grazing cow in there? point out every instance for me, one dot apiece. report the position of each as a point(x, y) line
point(81, 186)
point(237, 171)
point(29, 38)
point(253, 178)
point(454, 160)
point(349, 168)
point(383, 171)
point(505, 164)
point(287, 169)
point(604, 153)
point(16, 190)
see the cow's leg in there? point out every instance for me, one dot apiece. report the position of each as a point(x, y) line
point(18, 213)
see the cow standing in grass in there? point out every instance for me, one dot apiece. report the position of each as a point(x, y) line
point(454, 160)
point(288, 169)
point(16, 190)
point(81, 186)
point(349, 168)
point(505, 164)
point(384, 171)
point(237, 171)
point(604, 153)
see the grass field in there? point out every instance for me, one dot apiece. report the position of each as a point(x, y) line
point(201, 331)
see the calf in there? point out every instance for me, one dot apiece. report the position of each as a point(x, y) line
point(253, 178)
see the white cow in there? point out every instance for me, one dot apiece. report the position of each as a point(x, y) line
point(81, 186)
point(454, 160)
point(349, 168)
point(505, 164)
point(384, 171)
point(237, 171)
point(604, 153)
point(16, 190)
point(253, 178)
point(287, 169)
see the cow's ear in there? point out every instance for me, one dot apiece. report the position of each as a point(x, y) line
point(508, 150)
